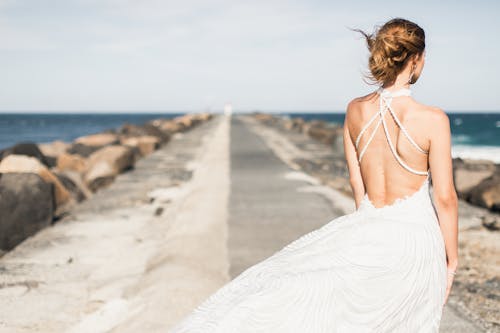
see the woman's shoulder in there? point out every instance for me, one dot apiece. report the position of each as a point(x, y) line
point(360, 103)
point(361, 100)
point(430, 112)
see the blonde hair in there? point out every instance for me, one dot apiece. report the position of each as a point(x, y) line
point(391, 46)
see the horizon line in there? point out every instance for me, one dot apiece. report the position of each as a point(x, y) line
point(10, 112)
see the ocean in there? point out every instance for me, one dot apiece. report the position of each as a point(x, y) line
point(47, 127)
point(474, 135)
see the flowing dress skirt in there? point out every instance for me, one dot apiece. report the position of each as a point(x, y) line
point(373, 270)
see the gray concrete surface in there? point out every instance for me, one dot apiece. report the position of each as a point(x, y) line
point(266, 210)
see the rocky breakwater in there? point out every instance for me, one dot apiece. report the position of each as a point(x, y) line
point(330, 167)
point(328, 133)
point(39, 183)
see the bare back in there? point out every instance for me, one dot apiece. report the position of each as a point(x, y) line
point(390, 132)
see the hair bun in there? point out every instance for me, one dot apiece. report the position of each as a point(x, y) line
point(391, 46)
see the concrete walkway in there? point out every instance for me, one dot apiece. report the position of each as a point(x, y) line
point(268, 205)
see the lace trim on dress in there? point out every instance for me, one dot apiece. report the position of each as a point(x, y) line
point(398, 201)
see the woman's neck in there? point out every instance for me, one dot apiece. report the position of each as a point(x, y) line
point(401, 81)
point(399, 84)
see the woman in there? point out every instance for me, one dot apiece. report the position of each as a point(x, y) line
point(388, 266)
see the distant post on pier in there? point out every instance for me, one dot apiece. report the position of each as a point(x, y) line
point(228, 109)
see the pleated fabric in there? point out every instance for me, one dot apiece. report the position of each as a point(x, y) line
point(373, 270)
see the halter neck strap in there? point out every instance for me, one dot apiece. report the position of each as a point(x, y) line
point(396, 93)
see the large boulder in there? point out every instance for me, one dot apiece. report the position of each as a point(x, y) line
point(82, 150)
point(204, 116)
point(148, 129)
point(169, 125)
point(325, 134)
point(295, 123)
point(27, 149)
point(54, 149)
point(86, 145)
point(106, 163)
point(315, 123)
point(71, 162)
point(145, 144)
point(486, 193)
point(98, 139)
point(469, 173)
point(26, 164)
point(186, 120)
point(73, 182)
point(287, 124)
point(267, 119)
point(26, 206)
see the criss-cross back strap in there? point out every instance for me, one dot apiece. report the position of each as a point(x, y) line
point(384, 105)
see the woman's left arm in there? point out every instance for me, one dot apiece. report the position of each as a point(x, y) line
point(351, 157)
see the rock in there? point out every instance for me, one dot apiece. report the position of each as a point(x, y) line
point(86, 145)
point(27, 205)
point(307, 126)
point(98, 140)
point(54, 149)
point(170, 126)
point(491, 222)
point(158, 211)
point(186, 121)
point(27, 149)
point(148, 129)
point(106, 163)
point(204, 116)
point(26, 164)
point(327, 135)
point(71, 162)
point(145, 144)
point(266, 118)
point(297, 124)
point(100, 175)
point(469, 173)
point(73, 182)
point(317, 123)
point(287, 124)
point(263, 116)
point(82, 150)
point(486, 193)
point(195, 119)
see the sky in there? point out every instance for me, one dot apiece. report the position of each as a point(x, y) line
point(197, 55)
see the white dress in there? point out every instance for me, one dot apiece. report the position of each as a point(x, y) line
point(373, 270)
